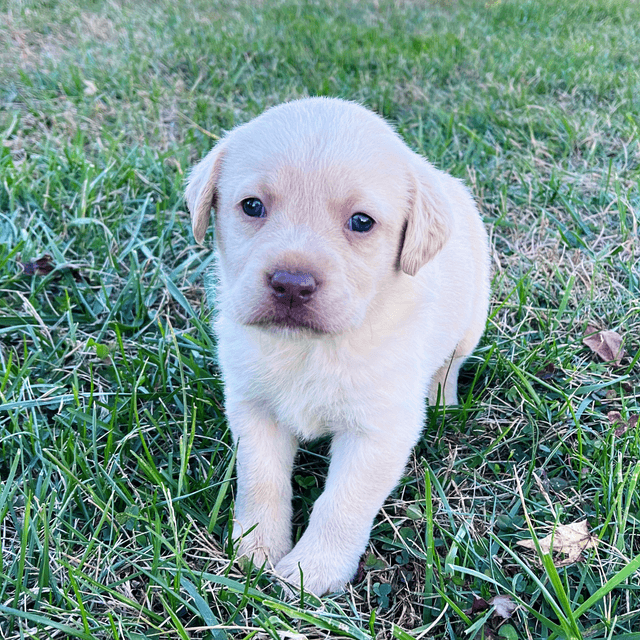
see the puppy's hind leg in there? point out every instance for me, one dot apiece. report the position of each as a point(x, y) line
point(262, 519)
point(443, 387)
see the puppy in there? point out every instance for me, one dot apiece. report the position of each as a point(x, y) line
point(352, 283)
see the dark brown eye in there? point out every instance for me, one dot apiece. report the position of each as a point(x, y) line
point(254, 208)
point(361, 222)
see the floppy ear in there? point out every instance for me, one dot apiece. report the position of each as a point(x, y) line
point(201, 191)
point(429, 222)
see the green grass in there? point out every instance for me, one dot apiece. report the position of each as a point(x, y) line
point(115, 458)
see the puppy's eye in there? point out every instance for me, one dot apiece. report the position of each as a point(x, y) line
point(361, 222)
point(254, 208)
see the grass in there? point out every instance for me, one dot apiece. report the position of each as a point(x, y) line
point(116, 461)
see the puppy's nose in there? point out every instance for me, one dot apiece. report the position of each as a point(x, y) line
point(292, 289)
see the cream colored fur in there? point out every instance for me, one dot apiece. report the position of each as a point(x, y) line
point(397, 311)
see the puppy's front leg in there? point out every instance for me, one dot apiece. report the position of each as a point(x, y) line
point(264, 464)
point(364, 469)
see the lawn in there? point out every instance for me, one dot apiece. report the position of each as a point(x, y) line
point(115, 457)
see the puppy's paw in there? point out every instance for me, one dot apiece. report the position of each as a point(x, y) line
point(321, 572)
point(254, 547)
point(250, 554)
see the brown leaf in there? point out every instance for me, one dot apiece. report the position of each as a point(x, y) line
point(504, 605)
point(479, 604)
point(614, 416)
point(547, 372)
point(625, 425)
point(606, 344)
point(360, 573)
point(45, 265)
point(40, 267)
point(570, 539)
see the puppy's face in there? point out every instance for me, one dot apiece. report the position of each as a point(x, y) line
point(306, 237)
point(313, 201)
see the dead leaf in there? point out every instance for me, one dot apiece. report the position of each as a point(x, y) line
point(615, 417)
point(40, 267)
point(504, 605)
point(570, 539)
point(360, 573)
point(45, 265)
point(479, 604)
point(547, 372)
point(606, 344)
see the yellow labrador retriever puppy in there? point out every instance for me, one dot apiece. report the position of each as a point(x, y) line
point(352, 283)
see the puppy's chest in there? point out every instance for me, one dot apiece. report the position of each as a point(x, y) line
point(312, 393)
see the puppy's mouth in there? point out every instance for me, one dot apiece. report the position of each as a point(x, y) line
point(287, 320)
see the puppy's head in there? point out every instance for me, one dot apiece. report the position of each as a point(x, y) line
point(320, 209)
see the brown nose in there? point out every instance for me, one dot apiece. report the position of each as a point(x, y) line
point(292, 289)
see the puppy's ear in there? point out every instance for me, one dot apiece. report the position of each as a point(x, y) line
point(429, 222)
point(201, 190)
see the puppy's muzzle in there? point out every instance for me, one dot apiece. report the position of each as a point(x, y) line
point(292, 290)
